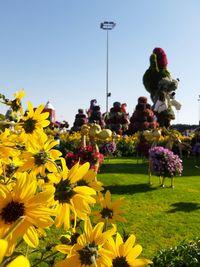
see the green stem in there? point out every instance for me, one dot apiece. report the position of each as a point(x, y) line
point(43, 259)
point(149, 172)
point(27, 251)
point(163, 182)
point(19, 243)
point(8, 123)
point(105, 224)
point(13, 228)
point(55, 165)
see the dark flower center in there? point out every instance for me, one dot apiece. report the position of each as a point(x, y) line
point(64, 191)
point(12, 212)
point(16, 104)
point(29, 125)
point(71, 241)
point(10, 169)
point(82, 183)
point(88, 254)
point(120, 262)
point(74, 238)
point(41, 158)
point(106, 213)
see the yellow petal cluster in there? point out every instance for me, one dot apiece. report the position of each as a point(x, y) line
point(110, 211)
point(37, 191)
point(70, 197)
point(125, 253)
point(89, 249)
point(18, 261)
point(23, 209)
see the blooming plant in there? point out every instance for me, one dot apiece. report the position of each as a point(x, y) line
point(84, 154)
point(109, 211)
point(89, 247)
point(126, 146)
point(125, 253)
point(164, 162)
point(108, 148)
point(39, 191)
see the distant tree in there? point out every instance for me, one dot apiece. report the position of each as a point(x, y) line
point(183, 127)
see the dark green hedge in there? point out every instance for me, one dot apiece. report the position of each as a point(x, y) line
point(186, 254)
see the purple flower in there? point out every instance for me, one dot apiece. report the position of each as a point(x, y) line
point(164, 162)
point(108, 148)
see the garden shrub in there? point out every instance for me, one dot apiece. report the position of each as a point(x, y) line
point(186, 254)
point(125, 149)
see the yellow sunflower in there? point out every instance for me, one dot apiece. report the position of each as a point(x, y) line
point(69, 196)
point(40, 156)
point(110, 211)
point(67, 241)
point(7, 147)
point(34, 121)
point(18, 261)
point(10, 170)
point(125, 253)
point(89, 179)
point(89, 250)
point(16, 104)
point(23, 211)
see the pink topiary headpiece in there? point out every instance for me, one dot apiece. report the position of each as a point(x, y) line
point(161, 57)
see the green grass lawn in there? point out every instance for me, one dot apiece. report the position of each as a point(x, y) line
point(159, 217)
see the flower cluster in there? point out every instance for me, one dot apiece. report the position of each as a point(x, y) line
point(84, 154)
point(108, 148)
point(38, 191)
point(164, 162)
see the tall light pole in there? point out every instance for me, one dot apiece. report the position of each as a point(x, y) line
point(107, 25)
point(199, 108)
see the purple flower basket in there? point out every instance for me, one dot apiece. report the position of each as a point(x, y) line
point(164, 162)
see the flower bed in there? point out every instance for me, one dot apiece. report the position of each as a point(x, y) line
point(164, 162)
point(39, 192)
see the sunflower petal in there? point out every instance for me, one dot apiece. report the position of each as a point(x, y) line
point(85, 190)
point(134, 252)
point(39, 110)
point(129, 244)
point(31, 237)
point(140, 262)
point(3, 246)
point(65, 249)
point(81, 171)
point(19, 261)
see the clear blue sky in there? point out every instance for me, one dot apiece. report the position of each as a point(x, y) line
point(56, 51)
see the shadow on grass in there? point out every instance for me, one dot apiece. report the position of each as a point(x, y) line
point(184, 206)
point(129, 189)
point(141, 168)
point(190, 167)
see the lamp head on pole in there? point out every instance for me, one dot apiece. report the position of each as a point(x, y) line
point(107, 25)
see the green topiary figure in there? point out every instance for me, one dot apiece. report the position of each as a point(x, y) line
point(158, 82)
point(156, 71)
